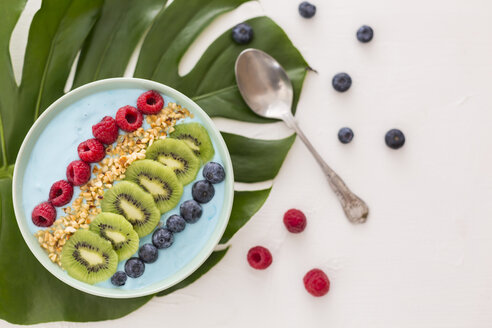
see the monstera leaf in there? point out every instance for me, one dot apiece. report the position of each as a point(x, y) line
point(106, 33)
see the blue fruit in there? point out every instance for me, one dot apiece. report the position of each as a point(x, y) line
point(365, 34)
point(345, 135)
point(202, 191)
point(394, 139)
point(190, 211)
point(307, 10)
point(341, 82)
point(213, 172)
point(119, 278)
point(162, 238)
point(148, 253)
point(242, 33)
point(134, 267)
point(175, 223)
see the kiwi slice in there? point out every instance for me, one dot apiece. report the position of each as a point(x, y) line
point(197, 138)
point(88, 257)
point(118, 231)
point(158, 180)
point(128, 199)
point(175, 154)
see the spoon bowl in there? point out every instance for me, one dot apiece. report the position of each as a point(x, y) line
point(264, 84)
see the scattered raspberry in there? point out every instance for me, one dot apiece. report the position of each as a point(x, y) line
point(106, 131)
point(61, 193)
point(316, 282)
point(150, 102)
point(91, 151)
point(78, 173)
point(259, 257)
point(129, 118)
point(44, 215)
point(295, 220)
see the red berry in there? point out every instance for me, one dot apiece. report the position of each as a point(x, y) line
point(316, 282)
point(78, 173)
point(259, 257)
point(295, 220)
point(44, 215)
point(150, 102)
point(61, 193)
point(129, 118)
point(106, 131)
point(91, 151)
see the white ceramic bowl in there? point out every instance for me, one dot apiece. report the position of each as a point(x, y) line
point(35, 170)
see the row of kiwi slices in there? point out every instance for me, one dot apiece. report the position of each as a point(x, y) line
point(132, 208)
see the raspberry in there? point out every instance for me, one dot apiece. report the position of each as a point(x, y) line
point(78, 173)
point(43, 215)
point(129, 118)
point(106, 131)
point(91, 151)
point(316, 282)
point(150, 102)
point(259, 257)
point(295, 220)
point(61, 193)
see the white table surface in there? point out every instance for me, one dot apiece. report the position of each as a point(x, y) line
point(423, 257)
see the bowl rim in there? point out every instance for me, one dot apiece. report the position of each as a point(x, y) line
point(74, 96)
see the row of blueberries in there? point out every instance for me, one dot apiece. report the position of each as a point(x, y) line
point(190, 211)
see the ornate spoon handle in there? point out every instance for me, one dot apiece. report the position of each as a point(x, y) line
point(355, 209)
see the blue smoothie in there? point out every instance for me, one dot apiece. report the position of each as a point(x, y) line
point(57, 147)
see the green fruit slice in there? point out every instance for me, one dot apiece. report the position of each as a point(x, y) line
point(118, 231)
point(176, 155)
point(196, 137)
point(88, 257)
point(138, 207)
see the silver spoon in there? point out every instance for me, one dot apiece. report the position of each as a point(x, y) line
point(267, 90)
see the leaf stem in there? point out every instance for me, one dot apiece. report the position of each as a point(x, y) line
point(3, 144)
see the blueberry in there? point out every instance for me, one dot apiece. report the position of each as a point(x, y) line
point(190, 211)
point(134, 267)
point(307, 10)
point(365, 34)
point(242, 33)
point(202, 191)
point(345, 135)
point(175, 223)
point(341, 82)
point(148, 253)
point(394, 138)
point(162, 238)
point(214, 172)
point(119, 278)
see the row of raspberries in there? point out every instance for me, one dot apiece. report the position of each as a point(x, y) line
point(128, 119)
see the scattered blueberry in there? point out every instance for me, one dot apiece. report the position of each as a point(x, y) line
point(307, 10)
point(365, 34)
point(341, 82)
point(202, 191)
point(175, 223)
point(345, 135)
point(190, 211)
point(134, 267)
point(242, 33)
point(213, 172)
point(394, 138)
point(148, 253)
point(119, 278)
point(162, 238)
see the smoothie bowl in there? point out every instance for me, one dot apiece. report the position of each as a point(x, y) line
point(123, 187)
